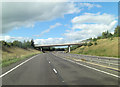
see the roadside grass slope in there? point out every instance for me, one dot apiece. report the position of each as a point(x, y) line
point(104, 47)
point(13, 54)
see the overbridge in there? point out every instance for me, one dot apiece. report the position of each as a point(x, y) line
point(55, 45)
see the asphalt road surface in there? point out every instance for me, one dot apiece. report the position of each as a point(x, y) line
point(48, 69)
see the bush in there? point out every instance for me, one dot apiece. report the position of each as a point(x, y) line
point(89, 44)
point(99, 37)
point(95, 43)
point(94, 39)
point(111, 38)
point(85, 44)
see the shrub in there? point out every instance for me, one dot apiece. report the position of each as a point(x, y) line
point(85, 44)
point(95, 43)
point(99, 37)
point(111, 38)
point(89, 44)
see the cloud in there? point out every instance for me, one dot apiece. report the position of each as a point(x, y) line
point(89, 30)
point(90, 25)
point(82, 28)
point(56, 25)
point(94, 18)
point(46, 31)
point(25, 14)
point(11, 39)
point(54, 41)
point(49, 41)
point(89, 5)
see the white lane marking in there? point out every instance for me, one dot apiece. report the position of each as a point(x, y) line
point(55, 70)
point(17, 66)
point(92, 68)
point(49, 61)
point(99, 70)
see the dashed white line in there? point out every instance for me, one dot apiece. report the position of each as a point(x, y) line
point(49, 61)
point(17, 66)
point(55, 70)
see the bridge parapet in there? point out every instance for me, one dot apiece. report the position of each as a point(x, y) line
point(68, 44)
point(53, 45)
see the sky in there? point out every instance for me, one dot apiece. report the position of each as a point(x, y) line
point(57, 22)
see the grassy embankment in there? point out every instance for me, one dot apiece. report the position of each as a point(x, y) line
point(104, 47)
point(14, 54)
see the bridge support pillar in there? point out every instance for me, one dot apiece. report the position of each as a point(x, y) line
point(41, 49)
point(68, 48)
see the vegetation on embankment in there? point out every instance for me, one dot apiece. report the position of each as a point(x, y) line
point(13, 54)
point(104, 47)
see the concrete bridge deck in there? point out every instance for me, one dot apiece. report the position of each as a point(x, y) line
point(54, 45)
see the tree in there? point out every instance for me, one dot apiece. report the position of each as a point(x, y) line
point(89, 39)
point(99, 37)
point(117, 31)
point(4, 43)
point(94, 39)
point(17, 43)
point(10, 44)
point(106, 34)
point(32, 43)
point(110, 35)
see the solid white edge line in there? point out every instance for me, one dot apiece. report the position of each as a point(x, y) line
point(55, 70)
point(17, 66)
point(92, 68)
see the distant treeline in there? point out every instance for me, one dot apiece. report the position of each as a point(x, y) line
point(16, 43)
point(30, 44)
point(106, 34)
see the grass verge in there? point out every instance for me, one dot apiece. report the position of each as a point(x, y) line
point(104, 47)
point(7, 62)
point(15, 54)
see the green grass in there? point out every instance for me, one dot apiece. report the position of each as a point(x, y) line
point(104, 47)
point(7, 62)
point(15, 54)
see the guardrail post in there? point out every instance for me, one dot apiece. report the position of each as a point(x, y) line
point(98, 60)
point(91, 59)
point(109, 62)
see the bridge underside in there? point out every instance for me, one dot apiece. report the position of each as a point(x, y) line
point(41, 46)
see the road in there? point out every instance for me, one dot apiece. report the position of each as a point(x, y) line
point(48, 69)
point(108, 61)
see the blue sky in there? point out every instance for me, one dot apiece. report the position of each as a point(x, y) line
point(59, 22)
